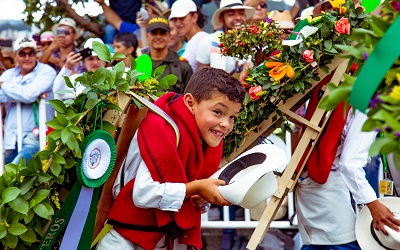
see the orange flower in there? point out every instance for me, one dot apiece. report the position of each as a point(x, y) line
point(342, 10)
point(279, 70)
point(343, 26)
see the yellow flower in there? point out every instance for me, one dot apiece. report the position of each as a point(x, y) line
point(336, 3)
point(279, 70)
point(398, 77)
point(395, 94)
point(21, 178)
point(45, 166)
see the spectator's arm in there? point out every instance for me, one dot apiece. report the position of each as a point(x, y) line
point(3, 78)
point(5, 62)
point(59, 82)
point(111, 16)
point(28, 93)
point(55, 44)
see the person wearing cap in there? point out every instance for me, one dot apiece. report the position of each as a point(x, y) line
point(46, 38)
point(261, 10)
point(64, 42)
point(25, 83)
point(92, 63)
point(189, 20)
point(151, 8)
point(158, 36)
point(230, 15)
point(176, 42)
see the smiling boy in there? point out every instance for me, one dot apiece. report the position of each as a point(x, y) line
point(167, 185)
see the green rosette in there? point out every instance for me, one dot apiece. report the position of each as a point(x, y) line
point(98, 159)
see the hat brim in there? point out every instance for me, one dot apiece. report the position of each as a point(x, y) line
point(249, 12)
point(158, 27)
point(363, 222)
point(58, 25)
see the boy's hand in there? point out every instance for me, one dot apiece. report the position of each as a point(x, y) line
point(72, 60)
point(208, 190)
point(381, 216)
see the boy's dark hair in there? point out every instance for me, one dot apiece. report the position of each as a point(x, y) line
point(128, 40)
point(201, 18)
point(208, 81)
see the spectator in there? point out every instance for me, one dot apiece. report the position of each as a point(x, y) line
point(153, 8)
point(261, 10)
point(6, 56)
point(284, 21)
point(64, 42)
point(127, 44)
point(176, 43)
point(25, 83)
point(92, 63)
point(189, 20)
point(46, 38)
point(158, 36)
point(231, 15)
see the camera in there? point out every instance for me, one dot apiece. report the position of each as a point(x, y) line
point(6, 43)
point(145, 15)
point(61, 31)
point(86, 52)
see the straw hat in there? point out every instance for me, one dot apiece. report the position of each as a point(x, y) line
point(249, 178)
point(283, 19)
point(231, 5)
point(158, 7)
point(370, 239)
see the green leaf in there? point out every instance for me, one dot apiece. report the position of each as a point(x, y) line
point(133, 63)
point(171, 79)
point(27, 184)
point(17, 229)
point(159, 70)
point(58, 158)
point(55, 134)
point(102, 51)
point(108, 126)
point(92, 100)
point(99, 75)
point(43, 177)
point(118, 56)
point(55, 168)
point(55, 124)
point(29, 236)
point(19, 205)
point(328, 44)
point(75, 130)
point(164, 83)
point(59, 106)
point(41, 210)
point(10, 240)
point(65, 135)
point(10, 194)
point(377, 146)
point(40, 195)
point(3, 231)
point(120, 69)
point(111, 76)
point(29, 216)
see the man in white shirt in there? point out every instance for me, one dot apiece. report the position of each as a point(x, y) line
point(231, 15)
point(25, 83)
point(326, 216)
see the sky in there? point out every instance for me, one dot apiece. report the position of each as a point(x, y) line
point(12, 9)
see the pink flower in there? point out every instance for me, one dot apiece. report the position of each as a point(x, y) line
point(253, 91)
point(358, 5)
point(308, 55)
point(343, 26)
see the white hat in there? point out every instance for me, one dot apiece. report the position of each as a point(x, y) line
point(370, 239)
point(181, 8)
point(25, 42)
point(231, 5)
point(283, 19)
point(89, 44)
point(249, 178)
point(66, 22)
point(47, 36)
point(277, 141)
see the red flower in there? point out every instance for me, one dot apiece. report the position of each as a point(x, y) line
point(308, 55)
point(253, 91)
point(343, 26)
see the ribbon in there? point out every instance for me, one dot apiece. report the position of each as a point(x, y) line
point(375, 68)
point(79, 209)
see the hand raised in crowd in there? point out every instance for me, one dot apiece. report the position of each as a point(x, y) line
point(56, 43)
point(381, 216)
point(72, 60)
point(99, 1)
point(142, 23)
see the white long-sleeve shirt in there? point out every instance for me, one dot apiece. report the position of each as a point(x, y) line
point(59, 84)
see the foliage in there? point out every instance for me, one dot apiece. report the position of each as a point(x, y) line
point(30, 192)
point(384, 110)
point(291, 69)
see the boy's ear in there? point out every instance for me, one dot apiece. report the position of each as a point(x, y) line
point(189, 101)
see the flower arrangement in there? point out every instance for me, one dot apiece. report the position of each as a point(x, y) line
point(289, 67)
point(383, 110)
point(30, 190)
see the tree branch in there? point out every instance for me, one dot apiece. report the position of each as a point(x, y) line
point(82, 22)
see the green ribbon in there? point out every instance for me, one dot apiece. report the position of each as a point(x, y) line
point(375, 68)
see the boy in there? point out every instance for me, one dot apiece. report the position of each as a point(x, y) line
point(170, 184)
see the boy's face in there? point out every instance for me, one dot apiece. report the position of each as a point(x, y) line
point(214, 117)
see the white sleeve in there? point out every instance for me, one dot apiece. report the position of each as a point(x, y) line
point(354, 157)
point(59, 84)
point(204, 50)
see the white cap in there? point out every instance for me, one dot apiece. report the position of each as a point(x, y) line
point(47, 36)
point(182, 8)
point(66, 22)
point(25, 42)
point(89, 44)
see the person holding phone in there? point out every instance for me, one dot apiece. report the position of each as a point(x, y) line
point(56, 54)
point(91, 61)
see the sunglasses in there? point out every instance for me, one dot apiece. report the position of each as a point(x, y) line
point(263, 5)
point(158, 32)
point(31, 53)
point(64, 32)
point(45, 43)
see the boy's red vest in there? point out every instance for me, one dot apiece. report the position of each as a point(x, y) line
point(190, 161)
